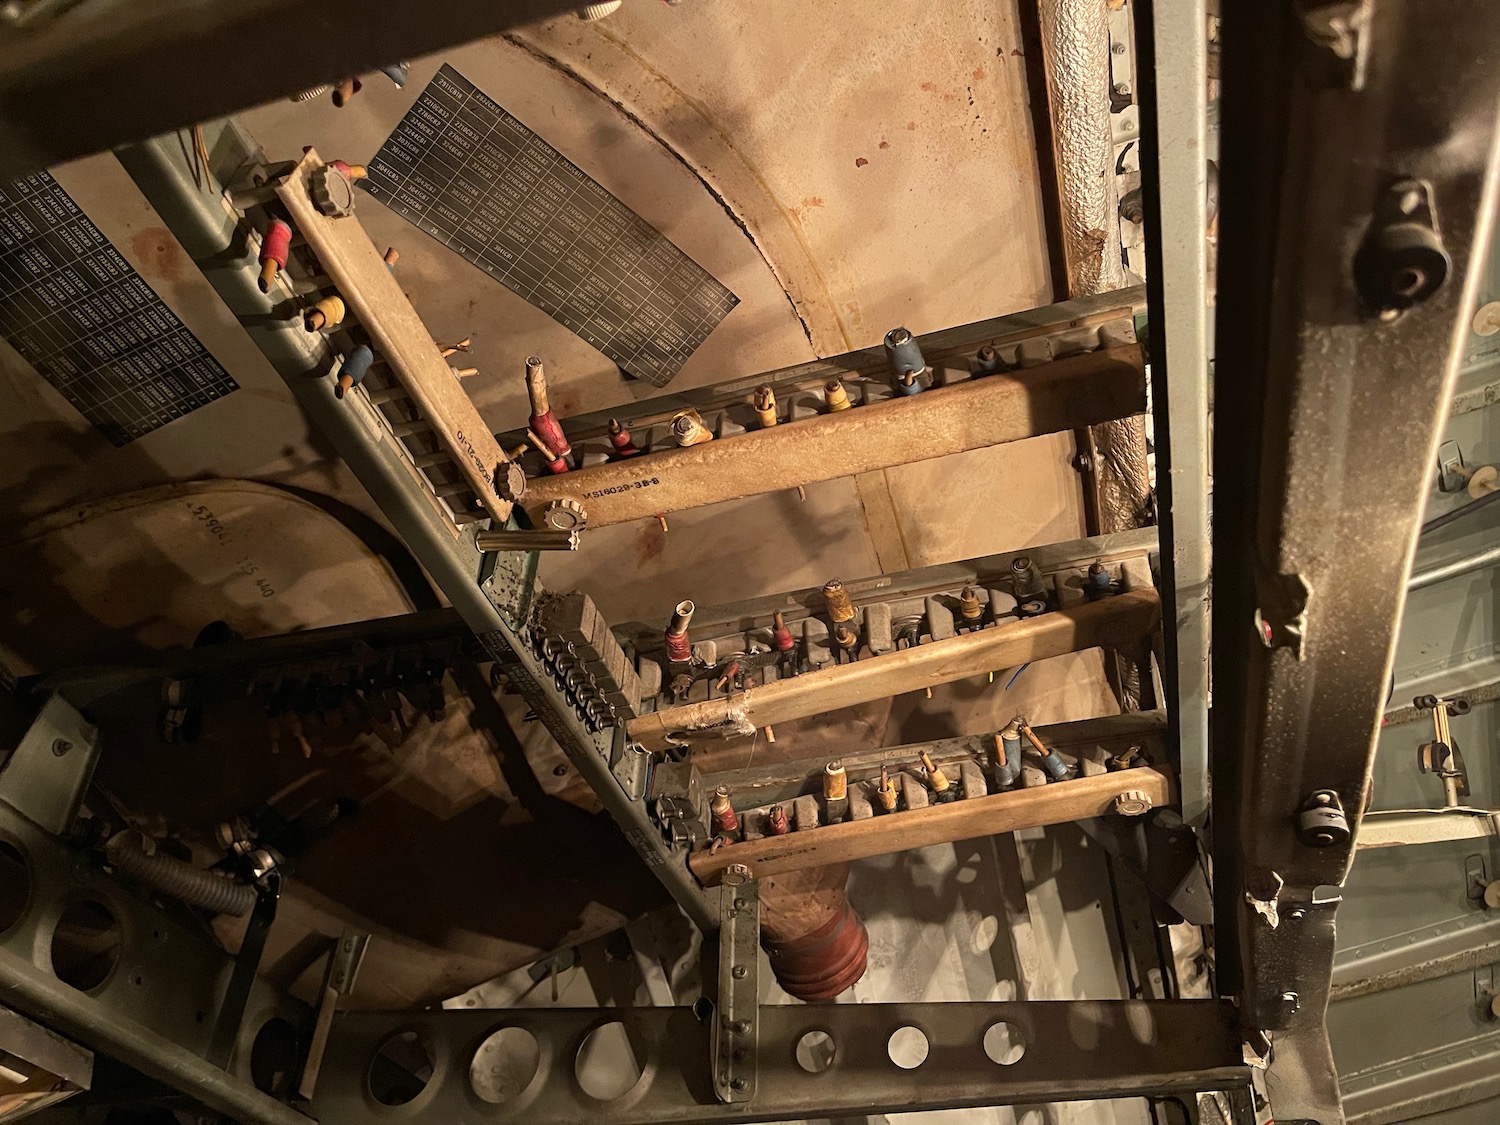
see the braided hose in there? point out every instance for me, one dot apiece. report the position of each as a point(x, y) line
point(196, 886)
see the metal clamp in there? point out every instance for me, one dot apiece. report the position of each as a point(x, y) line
point(737, 1021)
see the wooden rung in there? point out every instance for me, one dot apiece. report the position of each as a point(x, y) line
point(404, 429)
point(469, 517)
point(1056, 803)
point(427, 460)
point(387, 394)
point(1122, 619)
point(453, 488)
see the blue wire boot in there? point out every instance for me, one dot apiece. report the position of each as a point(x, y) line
point(986, 361)
point(1098, 584)
point(356, 367)
point(1008, 765)
point(1056, 768)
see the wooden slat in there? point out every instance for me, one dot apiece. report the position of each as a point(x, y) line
point(1110, 621)
point(1057, 803)
point(973, 414)
point(400, 339)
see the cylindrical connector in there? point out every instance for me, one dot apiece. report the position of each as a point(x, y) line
point(902, 352)
point(781, 636)
point(619, 437)
point(1026, 579)
point(555, 464)
point(679, 647)
point(351, 171)
point(777, 823)
point(688, 429)
point(835, 782)
point(836, 396)
point(969, 607)
point(836, 599)
point(392, 256)
point(542, 420)
point(986, 361)
point(909, 384)
point(726, 820)
point(345, 90)
point(765, 406)
point(937, 780)
point(355, 367)
point(274, 249)
point(885, 791)
point(327, 313)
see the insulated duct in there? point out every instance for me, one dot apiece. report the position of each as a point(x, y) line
point(1075, 51)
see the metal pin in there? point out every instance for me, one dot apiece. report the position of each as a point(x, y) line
point(448, 349)
point(464, 372)
point(776, 821)
point(835, 781)
point(886, 791)
point(836, 396)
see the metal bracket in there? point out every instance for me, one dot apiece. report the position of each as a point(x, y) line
point(1452, 476)
point(45, 778)
point(737, 1021)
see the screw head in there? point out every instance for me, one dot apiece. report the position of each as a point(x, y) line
point(61, 746)
point(740, 1027)
point(739, 972)
point(740, 1084)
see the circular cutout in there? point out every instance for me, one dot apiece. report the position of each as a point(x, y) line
point(401, 1069)
point(505, 1064)
point(608, 1064)
point(907, 1047)
point(815, 1051)
point(1004, 1043)
point(85, 945)
point(15, 885)
point(274, 1057)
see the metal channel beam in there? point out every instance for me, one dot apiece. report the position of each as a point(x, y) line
point(1172, 92)
point(185, 60)
point(1418, 1086)
point(756, 785)
point(971, 414)
point(1032, 336)
point(734, 618)
point(1072, 1050)
point(157, 1001)
point(494, 609)
point(1111, 621)
point(1345, 348)
point(1455, 945)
